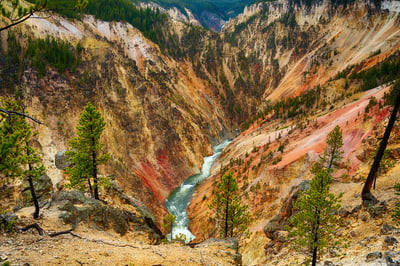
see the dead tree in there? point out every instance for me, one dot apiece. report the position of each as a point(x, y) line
point(366, 194)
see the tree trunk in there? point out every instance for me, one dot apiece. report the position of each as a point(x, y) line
point(94, 163)
point(32, 188)
point(366, 194)
point(227, 209)
point(314, 257)
point(332, 156)
point(171, 230)
point(34, 198)
point(90, 187)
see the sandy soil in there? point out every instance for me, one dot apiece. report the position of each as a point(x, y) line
point(93, 247)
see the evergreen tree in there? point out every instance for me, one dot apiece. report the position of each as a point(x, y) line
point(312, 226)
point(169, 223)
point(333, 151)
point(87, 151)
point(18, 158)
point(231, 215)
point(18, 13)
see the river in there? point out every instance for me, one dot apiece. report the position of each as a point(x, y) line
point(180, 198)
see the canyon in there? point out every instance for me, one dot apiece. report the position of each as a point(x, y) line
point(166, 107)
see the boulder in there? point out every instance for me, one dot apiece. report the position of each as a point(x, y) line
point(96, 213)
point(377, 210)
point(76, 208)
point(390, 240)
point(389, 255)
point(280, 236)
point(387, 229)
point(273, 226)
point(287, 207)
point(373, 256)
point(75, 196)
point(61, 160)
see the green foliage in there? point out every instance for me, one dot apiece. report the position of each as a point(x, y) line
point(372, 102)
point(396, 211)
point(169, 222)
point(56, 53)
point(87, 151)
point(18, 13)
point(333, 151)
point(15, 152)
point(312, 226)
point(39, 54)
point(231, 215)
point(181, 238)
point(150, 23)
point(18, 158)
point(7, 224)
point(289, 108)
point(390, 97)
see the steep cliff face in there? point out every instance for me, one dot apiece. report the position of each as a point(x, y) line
point(161, 119)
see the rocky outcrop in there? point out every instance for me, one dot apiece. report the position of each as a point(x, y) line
point(77, 208)
point(61, 160)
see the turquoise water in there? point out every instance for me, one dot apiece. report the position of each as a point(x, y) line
point(180, 198)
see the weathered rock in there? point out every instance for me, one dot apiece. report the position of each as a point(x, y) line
point(390, 240)
point(287, 207)
point(280, 236)
point(272, 226)
point(389, 255)
point(101, 216)
point(345, 211)
point(143, 210)
point(387, 229)
point(61, 160)
point(373, 256)
point(7, 221)
point(377, 210)
point(75, 196)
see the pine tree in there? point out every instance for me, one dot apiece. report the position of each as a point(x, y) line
point(169, 223)
point(231, 215)
point(87, 151)
point(311, 227)
point(333, 151)
point(18, 158)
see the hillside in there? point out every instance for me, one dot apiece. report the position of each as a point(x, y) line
point(317, 99)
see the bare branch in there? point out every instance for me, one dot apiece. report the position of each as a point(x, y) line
point(18, 21)
point(36, 226)
point(19, 113)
